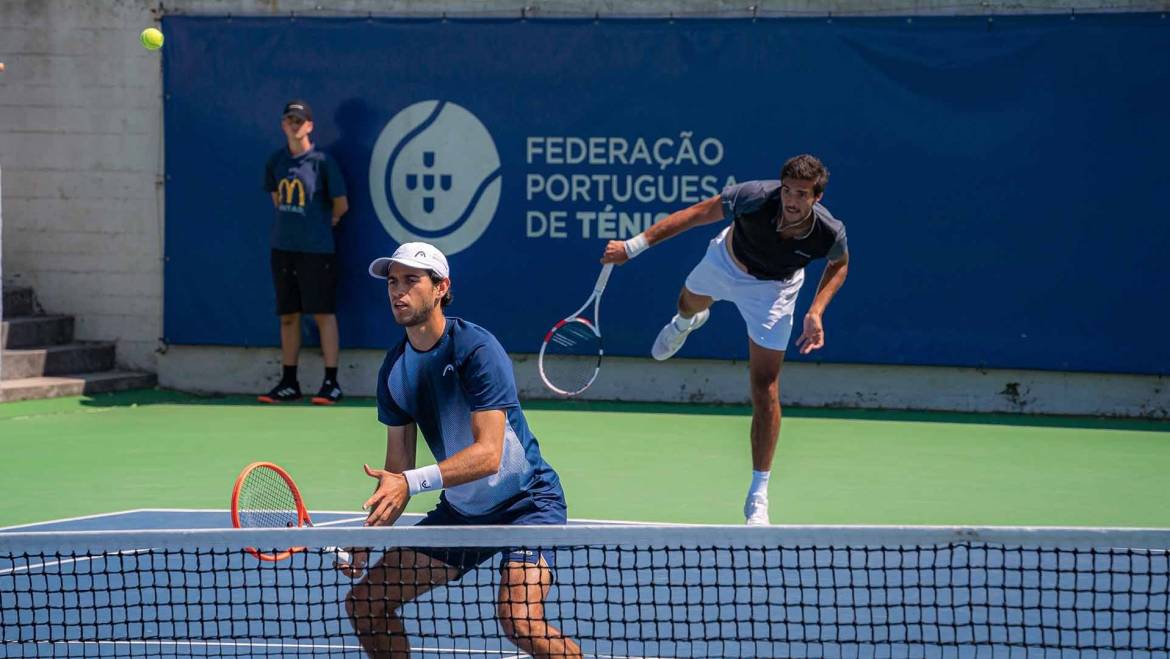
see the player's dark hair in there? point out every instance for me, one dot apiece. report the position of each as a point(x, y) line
point(807, 168)
point(436, 280)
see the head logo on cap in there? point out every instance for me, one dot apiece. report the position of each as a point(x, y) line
point(414, 255)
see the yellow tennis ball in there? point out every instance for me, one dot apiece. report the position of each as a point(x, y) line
point(151, 38)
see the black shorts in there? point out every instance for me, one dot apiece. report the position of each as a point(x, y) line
point(304, 282)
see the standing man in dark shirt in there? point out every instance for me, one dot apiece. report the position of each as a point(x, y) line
point(308, 192)
point(757, 263)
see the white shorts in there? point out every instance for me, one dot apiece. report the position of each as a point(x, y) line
point(766, 306)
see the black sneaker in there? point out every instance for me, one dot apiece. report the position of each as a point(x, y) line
point(282, 393)
point(329, 394)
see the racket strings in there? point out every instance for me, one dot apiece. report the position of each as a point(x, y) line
point(266, 501)
point(572, 357)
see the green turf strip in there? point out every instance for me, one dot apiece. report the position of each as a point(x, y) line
point(670, 463)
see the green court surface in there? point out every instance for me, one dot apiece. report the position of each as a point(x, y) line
point(664, 463)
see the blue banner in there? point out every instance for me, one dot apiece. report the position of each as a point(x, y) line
point(1003, 182)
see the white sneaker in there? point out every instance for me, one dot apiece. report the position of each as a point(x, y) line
point(755, 510)
point(671, 338)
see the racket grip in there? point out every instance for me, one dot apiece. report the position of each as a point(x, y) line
point(342, 555)
point(602, 279)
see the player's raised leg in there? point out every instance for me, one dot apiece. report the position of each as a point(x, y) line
point(692, 314)
point(523, 589)
point(764, 369)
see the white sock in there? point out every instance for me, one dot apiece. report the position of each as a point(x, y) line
point(759, 483)
point(682, 324)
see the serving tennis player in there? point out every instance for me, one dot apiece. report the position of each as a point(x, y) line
point(453, 380)
point(756, 263)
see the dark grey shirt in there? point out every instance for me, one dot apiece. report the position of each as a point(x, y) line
point(754, 209)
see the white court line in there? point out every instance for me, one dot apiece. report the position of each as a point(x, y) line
point(228, 511)
point(73, 519)
point(272, 644)
point(575, 520)
point(442, 651)
point(78, 559)
point(335, 522)
point(407, 516)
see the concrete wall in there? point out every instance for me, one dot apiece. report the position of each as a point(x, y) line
point(80, 148)
point(251, 371)
point(81, 152)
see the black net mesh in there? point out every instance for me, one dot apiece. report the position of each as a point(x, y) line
point(715, 596)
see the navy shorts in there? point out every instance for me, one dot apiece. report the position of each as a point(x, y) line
point(525, 510)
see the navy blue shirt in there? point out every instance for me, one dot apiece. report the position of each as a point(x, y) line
point(754, 208)
point(466, 371)
point(306, 186)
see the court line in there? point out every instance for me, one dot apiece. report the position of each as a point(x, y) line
point(273, 644)
point(228, 510)
point(582, 520)
point(307, 646)
point(335, 522)
point(75, 559)
point(75, 519)
point(575, 520)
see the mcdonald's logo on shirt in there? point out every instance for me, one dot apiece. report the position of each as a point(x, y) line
point(285, 192)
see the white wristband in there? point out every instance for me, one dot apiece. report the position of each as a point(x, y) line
point(424, 480)
point(636, 245)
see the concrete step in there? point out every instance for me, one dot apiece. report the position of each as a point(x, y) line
point(56, 360)
point(18, 301)
point(36, 331)
point(74, 385)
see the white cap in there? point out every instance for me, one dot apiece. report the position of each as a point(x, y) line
point(415, 255)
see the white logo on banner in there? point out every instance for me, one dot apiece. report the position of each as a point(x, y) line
point(443, 172)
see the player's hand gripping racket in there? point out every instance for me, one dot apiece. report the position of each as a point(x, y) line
point(570, 357)
point(266, 497)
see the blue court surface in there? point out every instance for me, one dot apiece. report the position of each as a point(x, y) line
point(705, 598)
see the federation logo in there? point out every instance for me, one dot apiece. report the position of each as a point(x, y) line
point(435, 176)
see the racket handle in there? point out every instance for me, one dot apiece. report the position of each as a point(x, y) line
point(342, 555)
point(602, 279)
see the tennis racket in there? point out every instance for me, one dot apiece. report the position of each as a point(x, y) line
point(265, 497)
point(570, 357)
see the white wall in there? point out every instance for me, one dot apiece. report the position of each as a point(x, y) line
point(80, 148)
point(255, 370)
point(80, 132)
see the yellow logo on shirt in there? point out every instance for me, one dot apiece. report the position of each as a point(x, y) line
point(287, 188)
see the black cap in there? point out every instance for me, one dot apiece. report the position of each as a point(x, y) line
point(299, 109)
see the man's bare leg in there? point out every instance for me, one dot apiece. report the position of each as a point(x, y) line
point(523, 589)
point(399, 577)
point(764, 369)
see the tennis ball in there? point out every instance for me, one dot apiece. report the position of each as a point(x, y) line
point(151, 38)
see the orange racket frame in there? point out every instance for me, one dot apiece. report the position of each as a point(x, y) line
point(302, 512)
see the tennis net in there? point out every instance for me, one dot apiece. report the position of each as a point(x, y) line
point(647, 591)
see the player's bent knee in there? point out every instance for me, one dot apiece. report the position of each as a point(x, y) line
point(692, 302)
point(361, 601)
point(517, 626)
